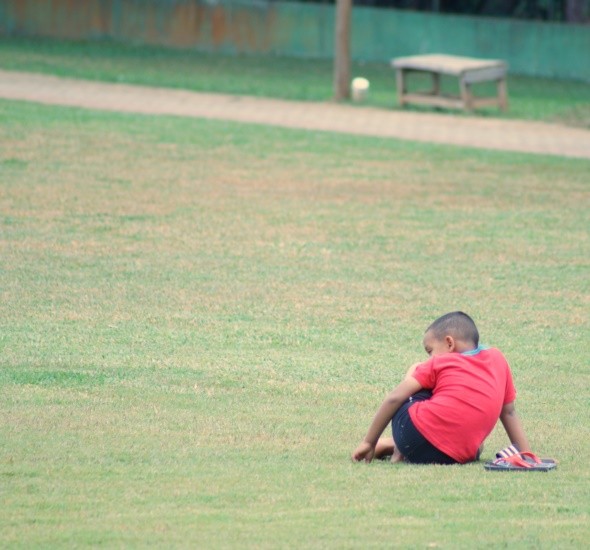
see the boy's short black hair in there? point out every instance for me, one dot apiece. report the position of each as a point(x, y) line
point(456, 324)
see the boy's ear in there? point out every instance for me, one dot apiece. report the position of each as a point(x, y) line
point(450, 342)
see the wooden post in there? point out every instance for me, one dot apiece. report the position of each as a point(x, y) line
point(342, 50)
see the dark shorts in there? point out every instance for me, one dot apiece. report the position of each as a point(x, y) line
point(410, 442)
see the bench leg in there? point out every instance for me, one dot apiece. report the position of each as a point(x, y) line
point(502, 95)
point(436, 84)
point(466, 95)
point(400, 79)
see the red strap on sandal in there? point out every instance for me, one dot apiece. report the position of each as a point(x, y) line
point(532, 456)
point(515, 460)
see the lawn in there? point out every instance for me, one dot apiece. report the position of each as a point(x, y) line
point(199, 319)
point(562, 101)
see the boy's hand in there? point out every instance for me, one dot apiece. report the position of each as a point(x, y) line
point(365, 451)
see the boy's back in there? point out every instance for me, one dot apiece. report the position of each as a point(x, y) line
point(469, 390)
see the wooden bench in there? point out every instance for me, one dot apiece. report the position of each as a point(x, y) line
point(467, 69)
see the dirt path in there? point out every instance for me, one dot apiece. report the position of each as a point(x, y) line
point(483, 133)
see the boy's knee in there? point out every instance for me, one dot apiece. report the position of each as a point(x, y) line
point(411, 370)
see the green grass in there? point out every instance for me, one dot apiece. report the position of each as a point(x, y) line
point(199, 319)
point(296, 79)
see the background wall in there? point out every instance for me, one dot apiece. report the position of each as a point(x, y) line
point(304, 30)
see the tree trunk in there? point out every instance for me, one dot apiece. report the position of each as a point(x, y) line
point(574, 12)
point(342, 50)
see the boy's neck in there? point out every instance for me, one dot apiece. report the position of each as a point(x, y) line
point(462, 347)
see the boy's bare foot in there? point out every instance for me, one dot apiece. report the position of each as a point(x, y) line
point(384, 447)
point(396, 457)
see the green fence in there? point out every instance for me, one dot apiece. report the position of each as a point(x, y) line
point(305, 30)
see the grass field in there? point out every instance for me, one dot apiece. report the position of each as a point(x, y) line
point(199, 319)
point(561, 101)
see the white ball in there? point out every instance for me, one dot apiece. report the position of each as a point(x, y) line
point(359, 88)
point(360, 83)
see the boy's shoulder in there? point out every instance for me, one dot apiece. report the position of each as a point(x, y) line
point(483, 350)
point(486, 354)
point(481, 353)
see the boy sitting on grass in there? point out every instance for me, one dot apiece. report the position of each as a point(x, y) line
point(445, 407)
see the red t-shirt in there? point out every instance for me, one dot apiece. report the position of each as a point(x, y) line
point(468, 392)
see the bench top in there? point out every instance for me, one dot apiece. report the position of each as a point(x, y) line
point(445, 64)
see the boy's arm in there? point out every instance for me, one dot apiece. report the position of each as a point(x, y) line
point(513, 427)
point(388, 408)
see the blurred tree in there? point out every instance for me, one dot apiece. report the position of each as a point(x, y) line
point(574, 10)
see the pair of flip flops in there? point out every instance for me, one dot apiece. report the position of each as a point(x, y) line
point(511, 459)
